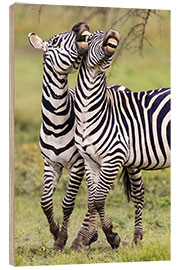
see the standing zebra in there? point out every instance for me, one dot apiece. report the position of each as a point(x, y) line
point(115, 129)
point(62, 55)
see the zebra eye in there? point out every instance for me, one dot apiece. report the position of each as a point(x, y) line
point(90, 37)
point(54, 41)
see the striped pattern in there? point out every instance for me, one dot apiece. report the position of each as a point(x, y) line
point(117, 128)
point(62, 55)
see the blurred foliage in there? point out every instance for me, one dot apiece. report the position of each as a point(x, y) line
point(48, 20)
point(28, 171)
point(129, 68)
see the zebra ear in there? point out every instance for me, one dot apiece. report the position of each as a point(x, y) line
point(36, 41)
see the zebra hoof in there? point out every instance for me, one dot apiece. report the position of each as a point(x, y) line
point(76, 244)
point(138, 236)
point(61, 241)
point(112, 238)
point(114, 241)
point(94, 238)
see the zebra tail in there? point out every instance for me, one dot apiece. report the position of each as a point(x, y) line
point(126, 182)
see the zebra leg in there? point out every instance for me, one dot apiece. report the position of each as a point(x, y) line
point(92, 177)
point(92, 234)
point(88, 234)
point(137, 195)
point(76, 176)
point(112, 237)
point(107, 177)
point(81, 236)
point(88, 231)
point(51, 178)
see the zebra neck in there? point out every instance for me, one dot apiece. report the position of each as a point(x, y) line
point(57, 102)
point(55, 85)
point(90, 95)
point(91, 80)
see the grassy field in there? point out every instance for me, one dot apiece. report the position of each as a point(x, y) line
point(33, 242)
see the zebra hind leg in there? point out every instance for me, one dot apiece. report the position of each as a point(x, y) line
point(137, 195)
point(51, 177)
point(81, 237)
point(91, 232)
point(88, 232)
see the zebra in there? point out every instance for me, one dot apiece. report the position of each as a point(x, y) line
point(115, 129)
point(62, 55)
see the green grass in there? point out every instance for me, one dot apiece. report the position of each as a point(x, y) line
point(34, 243)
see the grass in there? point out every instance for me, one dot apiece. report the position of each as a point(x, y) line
point(34, 243)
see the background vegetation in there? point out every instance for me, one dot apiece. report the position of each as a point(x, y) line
point(138, 68)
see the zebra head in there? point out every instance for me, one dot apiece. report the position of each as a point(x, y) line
point(101, 48)
point(64, 51)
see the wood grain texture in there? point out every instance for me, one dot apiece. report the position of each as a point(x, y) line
point(11, 135)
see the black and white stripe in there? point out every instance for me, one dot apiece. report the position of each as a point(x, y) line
point(62, 55)
point(117, 128)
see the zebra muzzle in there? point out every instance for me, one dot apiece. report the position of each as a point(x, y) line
point(111, 41)
point(112, 44)
point(83, 39)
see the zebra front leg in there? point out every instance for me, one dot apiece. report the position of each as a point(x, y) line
point(68, 203)
point(112, 237)
point(107, 177)
point(137, 195)
point(51, 177)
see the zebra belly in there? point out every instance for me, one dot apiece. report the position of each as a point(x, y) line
point(149, 161)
